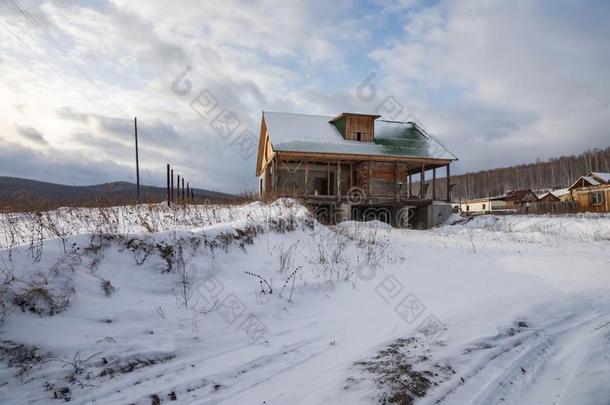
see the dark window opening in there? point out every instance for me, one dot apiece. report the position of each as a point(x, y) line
point(358, 136)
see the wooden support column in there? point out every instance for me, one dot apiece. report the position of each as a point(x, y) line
point(306, 180)
point(434, 184)
point(422, 180)
point(328, 183)
point(370, 178)
point(448, 184)
point(410, 186)
point(338, 176)
point(396, 178)
point(274, 175)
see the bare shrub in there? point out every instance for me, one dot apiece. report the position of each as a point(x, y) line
point(107, 287)
point(140, 249)
point(167, 253)
point(183, 291)
point(77, 366)
point(286, 256)
point(22, 357)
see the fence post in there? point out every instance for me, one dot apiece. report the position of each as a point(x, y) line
point(169, 197)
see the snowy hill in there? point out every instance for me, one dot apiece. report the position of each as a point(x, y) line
point(260, 304)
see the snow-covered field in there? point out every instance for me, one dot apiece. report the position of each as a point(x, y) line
point(260, 304)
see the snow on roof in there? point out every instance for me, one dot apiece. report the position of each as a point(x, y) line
point(560, 192)
point(591, 180)
point(604, 177)
point(588, 179)
point(292, 132)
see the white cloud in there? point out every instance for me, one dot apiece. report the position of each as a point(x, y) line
point(540, 66)
point(513, 79)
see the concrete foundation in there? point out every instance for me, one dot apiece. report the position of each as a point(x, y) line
point(431, 215)
point(407, 216)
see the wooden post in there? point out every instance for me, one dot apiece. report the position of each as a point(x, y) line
point(448, 184)
point(192, 195)
point(338, 175)
point(188, 190)
point(328, 184)
point(169, 196)
point(369, 178)
point(172, 186)
point(410, 185)
point(422, 180)
point(396, 177)
point(274, 174)
point(306, 180)
point(178, 190)
point(434, 184)
point(183, 200)
point(135, 126)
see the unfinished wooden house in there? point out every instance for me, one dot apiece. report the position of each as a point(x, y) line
point(357, 162)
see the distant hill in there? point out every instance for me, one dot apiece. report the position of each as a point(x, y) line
point(17, 191)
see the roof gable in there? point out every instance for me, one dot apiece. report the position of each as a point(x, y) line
point(584, 180)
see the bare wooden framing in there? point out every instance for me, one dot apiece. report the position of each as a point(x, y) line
point(306, 179)
point(328, 184)
point(338, 176)
point(434, 183)
point(448, 183)
point(396, 182)
point(383, 181)
point(422, 181)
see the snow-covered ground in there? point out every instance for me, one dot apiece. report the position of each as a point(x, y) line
point(262, 305)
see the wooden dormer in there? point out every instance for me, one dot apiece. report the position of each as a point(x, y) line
point(356, 127)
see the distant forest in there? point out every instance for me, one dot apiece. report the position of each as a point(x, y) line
point(554, 173)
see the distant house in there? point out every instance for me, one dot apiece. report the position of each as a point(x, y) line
point(592, 192)
point(520, 200)
point(482, 205)
point(354, 162)
point(548, 197)
point(563, 194)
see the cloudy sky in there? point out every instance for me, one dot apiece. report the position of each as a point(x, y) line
point(498, 82)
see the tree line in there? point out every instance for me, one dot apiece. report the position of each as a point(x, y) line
point(554, 173)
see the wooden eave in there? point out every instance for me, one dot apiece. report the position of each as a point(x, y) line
point(346, 157)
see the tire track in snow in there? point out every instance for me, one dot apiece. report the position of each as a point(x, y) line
point(510, 369)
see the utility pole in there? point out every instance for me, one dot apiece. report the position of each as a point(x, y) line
point(135, 124)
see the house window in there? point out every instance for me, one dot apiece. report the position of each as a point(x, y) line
point(358, 136)
point(483, 207)
point(597, 198)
